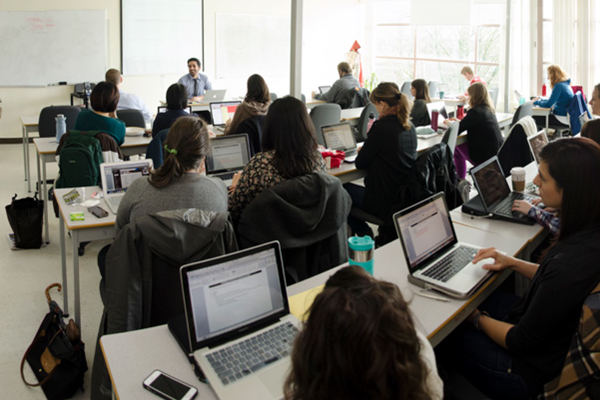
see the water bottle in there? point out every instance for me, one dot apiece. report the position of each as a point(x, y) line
point(61, 126)
point(544, 90)
point(460, 112)
point(435, 115)
point(370, 122)
point(361, 252)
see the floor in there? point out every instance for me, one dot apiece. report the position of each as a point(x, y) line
point(25, 274)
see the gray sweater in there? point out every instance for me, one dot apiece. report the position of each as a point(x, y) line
point(190, 191)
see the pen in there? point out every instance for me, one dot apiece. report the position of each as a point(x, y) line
point(430, 296)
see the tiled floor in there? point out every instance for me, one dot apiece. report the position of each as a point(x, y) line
point(25, 274)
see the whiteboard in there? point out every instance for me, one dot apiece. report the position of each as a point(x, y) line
point(253, 44)
point(158, 36)
point(47, 47)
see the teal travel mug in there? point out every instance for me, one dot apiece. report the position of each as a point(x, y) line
point(361, 252)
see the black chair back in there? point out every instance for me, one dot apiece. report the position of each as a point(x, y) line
point(363, 121)
point(132, 118)
point(47, 121)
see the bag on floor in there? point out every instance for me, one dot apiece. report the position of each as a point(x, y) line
point(56, 355)
point(26, 218)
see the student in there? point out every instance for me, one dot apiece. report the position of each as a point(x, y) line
point(595, 100)
point(591, 130)
point(339, 90)
point(103, 117)
point(176, 103)
point(289, 150)
point(522, 343)
point(483, 132)
point(419, 115)
point(256, 102)
point(470, 76)
point(388, 155)
point(195, 82)
point(360, 342)
point(559, 100)
point(127, 101)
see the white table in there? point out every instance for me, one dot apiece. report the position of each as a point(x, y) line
point(542, 112)
point(30, 124)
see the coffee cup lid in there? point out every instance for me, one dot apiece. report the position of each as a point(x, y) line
point(360, 243)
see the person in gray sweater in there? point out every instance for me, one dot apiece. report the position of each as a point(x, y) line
point(338, 92)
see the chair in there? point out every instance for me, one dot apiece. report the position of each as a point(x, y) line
point(273, 96)
point(303, 98)
point(132, 118)
point(325, 114)
point(155, 149)
point(360, 98)
point(253, 128)
point(363, 122)
point(434, 89)
point(451, 135)
point(405, 89)
point(307, 214)
point(494, 96)
point(515, 151)
point(576, 108)
point(524, 110)
point(47, 121)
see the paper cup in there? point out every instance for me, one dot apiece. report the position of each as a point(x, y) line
point(518, 178)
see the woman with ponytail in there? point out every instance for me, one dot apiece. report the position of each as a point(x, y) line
point(388, 155)
point(178, 183)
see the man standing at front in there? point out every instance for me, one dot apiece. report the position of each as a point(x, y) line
point(195, 83)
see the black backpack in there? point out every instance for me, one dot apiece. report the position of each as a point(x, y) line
point(80, 159)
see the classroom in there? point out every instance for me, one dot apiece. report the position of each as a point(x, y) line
point(297, 46)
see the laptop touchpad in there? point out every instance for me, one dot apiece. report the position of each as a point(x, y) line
point(273, 379)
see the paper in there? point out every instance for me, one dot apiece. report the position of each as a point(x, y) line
point(301, 302)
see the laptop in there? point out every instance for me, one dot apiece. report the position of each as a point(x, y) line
point(164, 109)
point(324, 89)
point(442, 114)
point(536, 143)
point(495, 197)
point(435, 258)
point(341, 137)
point(214, 95)
point(221, 112)
point(226, 156)
point(117, 177)
point(239, 322)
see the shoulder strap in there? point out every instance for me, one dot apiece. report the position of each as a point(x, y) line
point(27, 353)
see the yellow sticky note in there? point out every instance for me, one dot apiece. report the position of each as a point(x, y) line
point(301, 302)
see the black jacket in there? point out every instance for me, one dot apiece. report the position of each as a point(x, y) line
point(419, 114)
point(483, 133)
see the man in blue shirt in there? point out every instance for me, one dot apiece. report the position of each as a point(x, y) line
point(127, 101)
point(195, 83)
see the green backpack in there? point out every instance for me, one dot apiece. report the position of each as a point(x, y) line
point(80, 159)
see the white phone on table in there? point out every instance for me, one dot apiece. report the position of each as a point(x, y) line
point(169, 388)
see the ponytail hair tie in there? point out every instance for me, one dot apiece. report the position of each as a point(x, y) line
point(172, 151)
point(399, 96)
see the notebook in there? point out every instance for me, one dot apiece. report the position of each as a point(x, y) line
point(324, 89)
point(117, 177)
point(536, 143)
point(341, 137)
point(226, 156)
point(442, 114)
point(221, 112)
point(214, 95)
point(435, 258)
point(495, 197)
point(239, 322)
point(164, 109)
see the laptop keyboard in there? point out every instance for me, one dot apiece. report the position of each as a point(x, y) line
point(244, 358)
point(450, 265)
point(505, 207)
point(114, 202)
point(226, 176)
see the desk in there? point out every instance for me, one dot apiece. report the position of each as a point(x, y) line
point(312, 103)
point(350, 114)
point(129, 361)
point(46, 151)
point(30, 124)
point(543, 112)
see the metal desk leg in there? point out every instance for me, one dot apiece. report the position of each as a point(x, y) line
point(26, 156)
point(63, 262)
point(45, 196)
point(75, 242)
point(547, 122)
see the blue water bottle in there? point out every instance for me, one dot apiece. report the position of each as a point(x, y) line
point(61, 126)
point(361, 252)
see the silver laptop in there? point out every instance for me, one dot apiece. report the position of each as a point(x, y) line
point(226, 156)
point(440, 107)
point(435, 258)
point(496, 197)
point(221, 112)
point(341, 137)
point(214, 95)
point(239, 322)
point(536, 143)
point(324, 89)
point(117, 177)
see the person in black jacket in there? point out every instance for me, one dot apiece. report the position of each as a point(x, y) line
point(176, 104)
point(388, 155)
point(483, 132)
point(518, 345)
point(419, 114)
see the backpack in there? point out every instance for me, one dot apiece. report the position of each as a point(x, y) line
point(80, 159)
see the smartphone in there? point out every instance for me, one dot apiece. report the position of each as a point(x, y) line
point(98, 211)
point(169, 388)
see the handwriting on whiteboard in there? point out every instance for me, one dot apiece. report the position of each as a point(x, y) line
point(36, 24)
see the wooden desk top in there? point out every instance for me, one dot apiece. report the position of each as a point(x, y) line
point(30, 120)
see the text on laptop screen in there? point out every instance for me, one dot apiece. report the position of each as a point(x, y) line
point(234, 293)
point(425, 230)
point(339, 137)
point(227, 153)
point(222, 112)
point(536, 143)
point(119, 177)
point(491, 183)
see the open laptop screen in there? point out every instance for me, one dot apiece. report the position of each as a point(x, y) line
point(490, 182)
point(227, 153)
point(536, 143)
point(339, 137)
point(234, 293)
point(222, 112)
point(424, 231)
point(118, 177)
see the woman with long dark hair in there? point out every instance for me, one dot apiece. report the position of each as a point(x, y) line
point(360, 342)
point(515, 346)
point(177, 100)
point(256, 102)
point(289, 150)
point(419, 114)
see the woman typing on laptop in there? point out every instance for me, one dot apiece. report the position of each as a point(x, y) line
point(515, 346)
